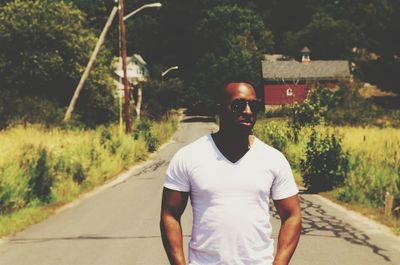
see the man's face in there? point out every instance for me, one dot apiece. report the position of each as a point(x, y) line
point(239, 108)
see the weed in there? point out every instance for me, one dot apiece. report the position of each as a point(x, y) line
point(326, 165)
point(41, 180)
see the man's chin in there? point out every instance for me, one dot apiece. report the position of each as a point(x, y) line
point(245, 128)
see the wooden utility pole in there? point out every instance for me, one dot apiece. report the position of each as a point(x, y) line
point(127, 114)
point(89, 66)
point(388, 204)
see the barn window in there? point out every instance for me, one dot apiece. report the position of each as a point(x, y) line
point(289, 92)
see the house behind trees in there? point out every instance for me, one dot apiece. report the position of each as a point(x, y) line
point(287, 81)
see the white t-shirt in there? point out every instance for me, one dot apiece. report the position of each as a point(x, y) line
point(230, 200)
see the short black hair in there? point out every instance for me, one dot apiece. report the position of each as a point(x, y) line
point(221, 95)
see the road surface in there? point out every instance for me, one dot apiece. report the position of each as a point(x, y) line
point(119, 224)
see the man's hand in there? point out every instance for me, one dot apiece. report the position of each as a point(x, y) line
point(173, 205)
point(290, 213)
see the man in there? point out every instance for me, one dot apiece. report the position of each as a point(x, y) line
point(229, 176)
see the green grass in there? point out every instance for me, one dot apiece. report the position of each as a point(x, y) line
point(13, 223)
point(366, 210)
point(41, 169)
point(374, 163)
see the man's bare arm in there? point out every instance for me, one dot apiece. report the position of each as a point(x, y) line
point(172, 207)
point(290, 213)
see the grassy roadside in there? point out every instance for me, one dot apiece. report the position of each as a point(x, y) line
point(374, 164)
point(44, 169)
point(366, 210)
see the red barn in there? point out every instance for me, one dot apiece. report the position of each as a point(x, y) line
point(286, 82)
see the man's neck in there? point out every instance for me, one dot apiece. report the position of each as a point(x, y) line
point(232, 146)
point(229, 137)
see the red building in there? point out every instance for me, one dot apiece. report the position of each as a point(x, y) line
point(288, 81)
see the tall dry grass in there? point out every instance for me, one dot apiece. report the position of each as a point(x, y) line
point(374, 158)
point(375, 163)
point(40, 166)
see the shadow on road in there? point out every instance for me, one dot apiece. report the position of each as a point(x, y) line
point(189, 119)
point(317, 222)
point(84, 237)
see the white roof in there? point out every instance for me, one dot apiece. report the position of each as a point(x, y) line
point(139, 58)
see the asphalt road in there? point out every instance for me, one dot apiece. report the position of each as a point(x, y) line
point(119, 224)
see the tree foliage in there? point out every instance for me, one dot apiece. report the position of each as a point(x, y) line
point(161, 96)
point(191, 32)
point(44, 49)
point(328, 38)
point(46, 44)
point(234, 39)
point(96, 11)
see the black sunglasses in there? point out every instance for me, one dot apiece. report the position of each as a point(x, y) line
point(239, 105)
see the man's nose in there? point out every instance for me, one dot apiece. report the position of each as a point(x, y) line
point(247, 110)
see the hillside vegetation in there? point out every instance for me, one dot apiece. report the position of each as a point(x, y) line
point(41, 168)
point(45, 45)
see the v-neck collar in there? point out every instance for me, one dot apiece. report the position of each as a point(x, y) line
point(221, 155)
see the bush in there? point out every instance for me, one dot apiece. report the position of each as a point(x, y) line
point(78, 174)
point(25, 182)
point(13, 188)
point(356, 110)
point(326, 165)
point(6, 106)
point(144, 128)
point(273, 134)
point(34, 165)
point(36, 110)
point(161, 96)
point(314, 109)
point(274, 112)
point(41, 180)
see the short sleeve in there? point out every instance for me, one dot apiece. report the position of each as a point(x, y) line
point(177, 177)
point(284, 185)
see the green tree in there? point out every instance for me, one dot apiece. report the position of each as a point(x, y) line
point(379, 25)
point(372, 17)
point(161, 96)
point(232, 41)
point(327, 37)
point(44, 49)
point(227, 26)
point(96, 11)
point(287, 16)
point(383, 73)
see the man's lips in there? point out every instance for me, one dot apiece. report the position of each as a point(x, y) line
point(246, 122)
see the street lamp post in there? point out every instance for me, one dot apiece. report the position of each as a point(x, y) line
point(166, 71)
point(122, 18)
point(157, 5)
